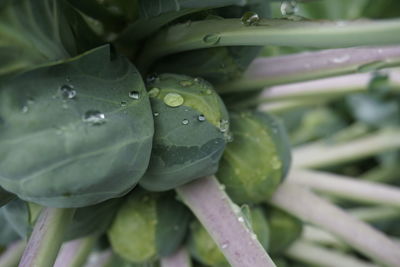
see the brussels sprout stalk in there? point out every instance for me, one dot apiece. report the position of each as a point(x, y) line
point(215, 211)
point(270, 71)
point(47, 237)
point(319, 154)
point(281, 32)
point(319, 256)
point(12, 255)
point(75, 253)
point(347, 188)
point(180, 258)
point(359, 235)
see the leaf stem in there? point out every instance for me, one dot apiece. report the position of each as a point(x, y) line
point(180, 258)
point(12, 255)
point(319, 256)
point(347, 187)
point(75, 253)
point(313, 209)
point(46, 238)
point(281, 32)
point(320, 154)
point(270, 71)
point(211, 205)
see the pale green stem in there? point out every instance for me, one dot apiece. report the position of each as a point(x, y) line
point(180, 258)
point(309, 253)
point(314, 234)
point(373, 214)
point(47, 237)
point(311, 208)
point(214, 209)
point(284, 106)
point(347, 187)
point(270, 71)
point(11, 256)
point(320, 154)
point(281, 32)
point(75, 253)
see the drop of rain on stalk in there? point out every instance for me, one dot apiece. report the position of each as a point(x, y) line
point(156, 114)
point(288, 8)
point(250, 18)
point(173, 100)
point(134, 95)
point(67, 91)
point(212, 38)
point(94, 117)
point(341, 59)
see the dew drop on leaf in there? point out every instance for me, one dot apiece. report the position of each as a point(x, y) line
point(154, 92)
point(156, 114)
point(186, 83)
point(173, 100)
point(134, 95)
point(223, 126)
point(250, 18)
point(185, 122)
point(211, 38)
point(289, 8)
point(67, 91)
point(94, 117)
point(201, 117)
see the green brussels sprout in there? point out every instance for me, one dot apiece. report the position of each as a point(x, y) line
point(76, 133)
point(148, 226)
point(284, 230)
point(192, 128)
point(257, 160)
point(7, 233)
point(5, 197)
point(203, 248)
point(88, 220)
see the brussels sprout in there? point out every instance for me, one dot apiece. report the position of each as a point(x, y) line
point(284, 230)
point(257, 160)
point(5, 197)
point(148, 226)
point(76, 133)
point(89, 220)
point(203, 248)
point(7, 233)
point(191, 125)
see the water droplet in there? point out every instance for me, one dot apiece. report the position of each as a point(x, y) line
point(67, 91)
point(208, 92)
point(94, 117)
point(240, 219)
point(225, 245)
point(253, 236)
point(201, 117)
point(185, 122)
point(289, 8)
point(341, 59)
point(25, 109)
point(223, 126)
point(123, 103)
point(152, 78)
point(173, 100)
point(186, 83)
point(372, 66)
point(156, 114)
point(250, 18)
point(197, 80)
point(212, 38)
point(154, 92)
point(134, 95)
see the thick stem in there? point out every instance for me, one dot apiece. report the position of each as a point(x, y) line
point(281, 32)
point(75, 253)
point(180, 258)
point(313, 209)
point(12, 255)
point(347, 187)
point(47, 237)
point(270, 71)
point(320, 154)
point(314, 234)
point(284, 106)
point(211, 205)
point(374, 214)
point(319, 256)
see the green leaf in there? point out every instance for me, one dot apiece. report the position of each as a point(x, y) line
point(7, 233)
point(35, 32)
point(91, 120)
point(5, 197)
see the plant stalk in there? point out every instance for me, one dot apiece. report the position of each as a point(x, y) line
point(180, 258)
point(320, 154)
point(47, 237)
point(346, 187)
point(319, 256)
point(272, 71)
point(11, 256)
point(75, 253)
point(313, 209)
point(280, 32)
point(212, 206)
